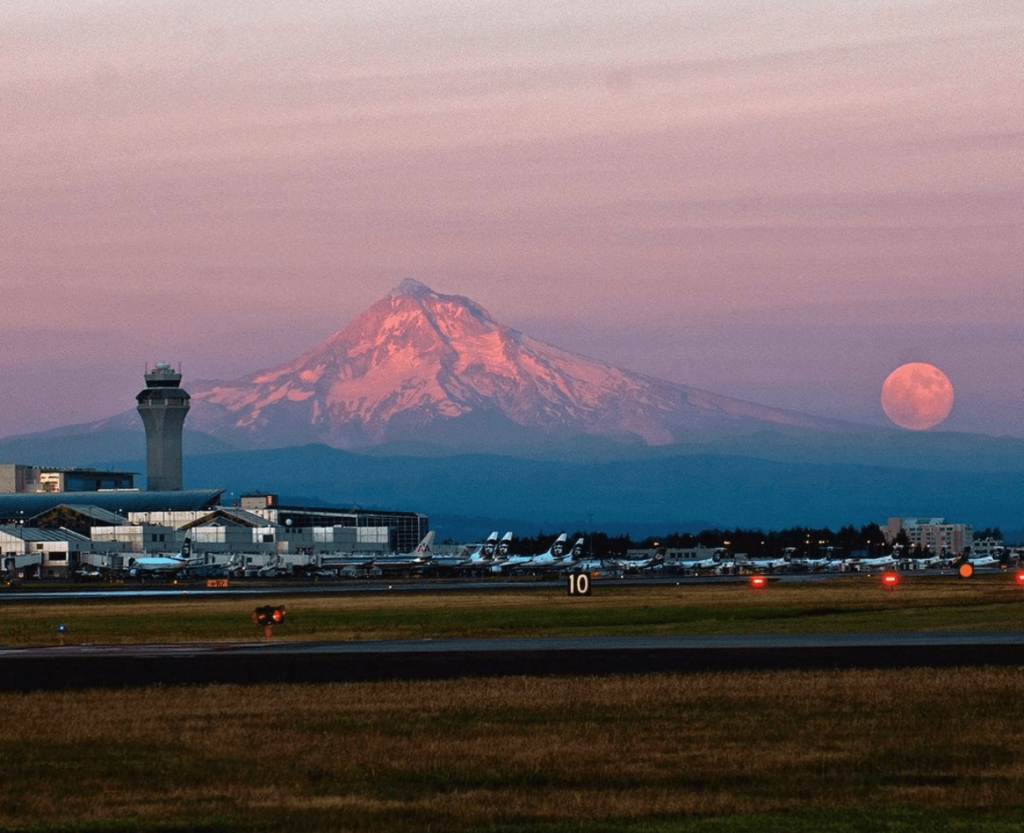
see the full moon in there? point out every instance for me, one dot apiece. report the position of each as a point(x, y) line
point(917, 396)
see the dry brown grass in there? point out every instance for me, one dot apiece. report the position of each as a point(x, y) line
point(848, 603)
point(471, 753)
point(466, 754)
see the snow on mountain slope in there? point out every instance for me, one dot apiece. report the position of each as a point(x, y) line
point(417, 361)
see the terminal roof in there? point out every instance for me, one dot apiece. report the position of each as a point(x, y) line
point(22, 506)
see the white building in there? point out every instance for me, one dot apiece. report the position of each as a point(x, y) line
point(935, 534)
point(15, 478)
point(31, 552)
point(139, 538)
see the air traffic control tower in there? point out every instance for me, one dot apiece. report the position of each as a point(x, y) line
point(163, 406)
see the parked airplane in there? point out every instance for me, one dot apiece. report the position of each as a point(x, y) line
point(484, 554)
point(346, 566)
point(601, 566)
point(807, 563)
point(712, 562)
point(828, 564)
point(162, 564)
point(883, 562)
point(553, 555)
point(410, 561)
point(364, 569)
point(765, 565)
point(926, 563)
point(423, 548)
point(636, 565)
point(984, 561)
point(481, 555)
point(557, 556)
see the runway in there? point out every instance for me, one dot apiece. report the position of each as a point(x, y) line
point(256, 589)
point(281, 661)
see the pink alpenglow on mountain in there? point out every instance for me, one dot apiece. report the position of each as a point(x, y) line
point(422, 366)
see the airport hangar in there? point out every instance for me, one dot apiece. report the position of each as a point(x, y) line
point(93, 521)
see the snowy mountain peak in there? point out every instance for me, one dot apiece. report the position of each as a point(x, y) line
point(418, 365)
point(412, 287)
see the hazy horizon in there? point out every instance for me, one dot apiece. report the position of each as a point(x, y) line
point(778, 205)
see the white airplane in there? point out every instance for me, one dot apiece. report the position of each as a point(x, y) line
point(489, 549)
point(769, 565)
point(712, 562)
point(410, 561)
point(423, 549)
point(164, 564)
point(926, 563)
point(602, 566)
point(635, 565)
point(476, 556)
point(486, 552)
point(347, 565)
point(364, 569)
point(883, 562)
point(481, 555)
point(554, 554)
point(557, 555)
point(823, 563)
point(591, 565)
point(984, 561)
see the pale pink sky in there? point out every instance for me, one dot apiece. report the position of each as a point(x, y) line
point(780, 202)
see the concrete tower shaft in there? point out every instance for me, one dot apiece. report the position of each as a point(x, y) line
point(163, 406)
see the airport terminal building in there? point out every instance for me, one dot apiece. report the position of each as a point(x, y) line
point(54, 521)
point(53, 534)
point(16, 478)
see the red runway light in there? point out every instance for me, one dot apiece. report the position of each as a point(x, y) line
point(966, 570)
point(890, 579)
point(758, 582)
point(1019, 578)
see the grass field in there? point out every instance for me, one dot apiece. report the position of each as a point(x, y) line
point(844, 604)
point(909, 750)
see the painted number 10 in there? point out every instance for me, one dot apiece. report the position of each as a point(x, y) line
point(579, 584)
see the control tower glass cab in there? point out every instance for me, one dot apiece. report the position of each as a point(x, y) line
point(163, 406)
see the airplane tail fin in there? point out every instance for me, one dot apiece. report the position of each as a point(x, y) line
point(490, 545)
point(425, 546)
point(558, 546)
point(504, 545)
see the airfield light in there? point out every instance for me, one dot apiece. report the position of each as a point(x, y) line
point(1019, 577)
point(890, 579)
point(966, 570)
point(268, 616)
point(758, 582)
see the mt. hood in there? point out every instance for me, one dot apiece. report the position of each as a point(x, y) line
point(422, 366)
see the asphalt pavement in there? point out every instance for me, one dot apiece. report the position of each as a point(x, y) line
point(276, 660)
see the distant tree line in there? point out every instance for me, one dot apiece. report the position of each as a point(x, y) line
point(868, 539)
point(992, 532)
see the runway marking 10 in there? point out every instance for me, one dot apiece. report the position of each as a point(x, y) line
point(579, 584)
